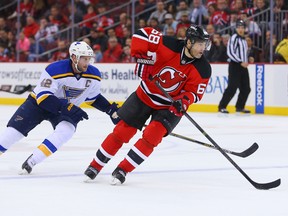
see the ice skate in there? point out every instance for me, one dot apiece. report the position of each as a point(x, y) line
point(91, 173)
point(118, 176)
point(26, 167)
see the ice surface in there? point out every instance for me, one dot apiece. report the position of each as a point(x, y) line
point(179, 178)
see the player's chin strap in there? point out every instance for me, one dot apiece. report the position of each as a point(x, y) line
point(76, 65)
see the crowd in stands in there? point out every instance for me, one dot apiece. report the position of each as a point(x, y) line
point(42, 22)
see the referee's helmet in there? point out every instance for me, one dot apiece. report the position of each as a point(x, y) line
point(196, 33)
point(240, 22)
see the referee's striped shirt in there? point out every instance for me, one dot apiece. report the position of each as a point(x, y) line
point(237, 49)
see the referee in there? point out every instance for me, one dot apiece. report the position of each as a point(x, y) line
point(238, 77)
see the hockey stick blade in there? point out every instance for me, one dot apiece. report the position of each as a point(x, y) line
point(266, 186)
point(243, 154)
point(26, 88)
point(246, 152)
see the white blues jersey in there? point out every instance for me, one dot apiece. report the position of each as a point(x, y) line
point(59, 80)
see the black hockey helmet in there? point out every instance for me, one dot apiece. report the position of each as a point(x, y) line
point(240, 22)
point(196, 33)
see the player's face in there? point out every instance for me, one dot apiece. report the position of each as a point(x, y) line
point(83, 63)
point(198, 49)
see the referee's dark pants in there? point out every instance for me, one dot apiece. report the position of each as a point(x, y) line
point(238, 78)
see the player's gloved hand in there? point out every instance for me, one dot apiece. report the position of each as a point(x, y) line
point(73, 112)
point(180, 105)
point(144, 67)
point(112, 112)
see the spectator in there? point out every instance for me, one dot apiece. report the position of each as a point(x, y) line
point(34, 50)
point(220, 18)
point(252, 27)
point(3, 25)
point(169, 22)
point(171, 8)
point(98, 53)
point(46, 30)
point(253, 51)
point(31, 27)
point(217, 52)
point(141, 24)
point(181, 33)
point(158, 14)
point(184, 21)
point(104, 21)
point(210, 29)
point(266, 50)
point(169, 32)
point(61, 53)
point(183, 8)
point(11, 44)
point(281, 52)
point(114, 51)
point(123, 23)
point(4, 54)
point(155, 24)
point(3, 37)
point(237, 6)
point(199, 14)
point(22, 46)
point(98, 36)
point(39, 8)
point(126, 55)
point(55, 17)
point(88, 18)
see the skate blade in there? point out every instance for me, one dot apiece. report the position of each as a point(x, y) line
point(115, 181)
point(23, 172)
point(88, 180)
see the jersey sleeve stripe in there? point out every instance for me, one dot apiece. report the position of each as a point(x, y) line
point(59, 76)
point(91, 76)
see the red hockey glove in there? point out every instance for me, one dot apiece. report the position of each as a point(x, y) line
point(180, 105)
point(144, 67)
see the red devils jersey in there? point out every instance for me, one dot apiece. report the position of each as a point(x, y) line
point(177, 74)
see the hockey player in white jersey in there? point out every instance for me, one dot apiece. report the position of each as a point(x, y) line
point(62, 87)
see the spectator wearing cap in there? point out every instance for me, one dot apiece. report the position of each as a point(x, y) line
point(97, 52)
point(199, 14)
point(159, 13)
point(114, 51)
point(182, 7)
point(98, 36)
point(184, 21)
point(169, 23)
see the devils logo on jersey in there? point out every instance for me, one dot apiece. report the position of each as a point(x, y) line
point(170, 79)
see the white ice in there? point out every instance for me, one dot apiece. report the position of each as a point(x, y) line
point(179, 178)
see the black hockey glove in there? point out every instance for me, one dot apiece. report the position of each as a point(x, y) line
point(112, 112)
point(73, 112)
point(179, 105)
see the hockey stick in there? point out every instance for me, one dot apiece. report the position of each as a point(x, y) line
point(242, 154)
point(26, 88)
point(249, 151)
point(262, 186)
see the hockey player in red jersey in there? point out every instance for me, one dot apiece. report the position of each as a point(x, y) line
point(181, 69)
